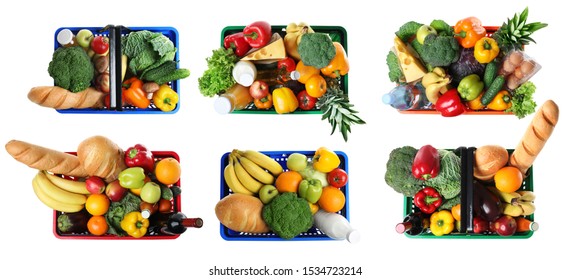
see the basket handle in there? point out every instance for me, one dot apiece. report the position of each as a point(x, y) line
point(467, 157)
point(115, 67)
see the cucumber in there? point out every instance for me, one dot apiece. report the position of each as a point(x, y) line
point(491, 70)
point(493, 89)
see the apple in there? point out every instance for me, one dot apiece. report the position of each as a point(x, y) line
point(505, 225)
point(259, 89)
point(95, 185)
point(296, 162)
point(267, 193)
point(84, 37)
point(480, 225)
point(115, 192)
point(423, 32)
point(103, 83)
point(150, 192)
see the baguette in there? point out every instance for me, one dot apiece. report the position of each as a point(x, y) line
point(60, 98)
point(42, 158)
point(535, 137)
point(242, 213)
point(101, 157)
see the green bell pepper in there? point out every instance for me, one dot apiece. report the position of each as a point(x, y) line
point(470, 87)
point(132, 178)
point(310, 189)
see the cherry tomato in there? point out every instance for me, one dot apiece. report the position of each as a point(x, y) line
point(100, 44)
point(337, 178)
point(306, 102)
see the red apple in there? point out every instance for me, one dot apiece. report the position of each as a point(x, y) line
point(95, 185)
point(115, 192)
point(259, 89)
point(505, 225)
point(480, 225)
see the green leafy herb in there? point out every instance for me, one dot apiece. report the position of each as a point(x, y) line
point(218, 77)
point(523, 103)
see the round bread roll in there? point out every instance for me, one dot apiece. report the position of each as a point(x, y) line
point(241, 212)
point(488, 159)
point(101, 157)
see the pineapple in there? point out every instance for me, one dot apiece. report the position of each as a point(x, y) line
point(515, 33)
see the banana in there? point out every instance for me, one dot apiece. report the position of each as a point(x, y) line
point(526, 196)
point(231, 179)
point(528, 208)
point(293, 35)
point(256, 171)
point(263, 160)
point(512, 210)
point(505, 196)
point(52, 203)
point(66, 184)
point(246, 179)
point(57, 193)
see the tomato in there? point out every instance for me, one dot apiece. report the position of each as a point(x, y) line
point(316, 86)
point(306, 102)
point(287, 63)
point(167, 171)
point(100, 44)
point(97, 225)
point(456, 212)
point(164, 206)
point(337, 178)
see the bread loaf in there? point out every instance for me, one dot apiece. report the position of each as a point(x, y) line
point(242, 213)
point(101, 157)
point(60, 98)
point(487, 160)
point(535, 137)
point(43, 158)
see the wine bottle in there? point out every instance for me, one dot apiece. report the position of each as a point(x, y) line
point(413, 224)
point(173, 223)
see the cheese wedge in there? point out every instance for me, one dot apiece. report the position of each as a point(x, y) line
point(411, 66)
point(274, 50)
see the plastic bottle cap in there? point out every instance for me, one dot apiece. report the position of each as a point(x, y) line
point(145, 214)
point(246, 79)
point(64, 37)
point(534, 226)
point(222, 105)
point(353, 236)
point(387, 98)
point(295, 75)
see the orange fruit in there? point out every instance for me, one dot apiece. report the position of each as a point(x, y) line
point(97, 204)
point(508, 179)
point(97, 225)
point(167, 171)
point(316, 86)
point(288, 181)
point(332, 199)
point(456, 212)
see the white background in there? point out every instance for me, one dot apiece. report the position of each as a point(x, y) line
point(200, 136)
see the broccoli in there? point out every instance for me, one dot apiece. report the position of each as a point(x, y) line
point(71, 68)
point(448, 181)
point(394, 71)
point(288, 215)
point(316, 49)
point(408, 30)
point(442, 27)
point(440, 50)
point(399, 171)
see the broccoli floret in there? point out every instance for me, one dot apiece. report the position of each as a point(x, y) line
point(399, 171)
point(408, 30)
point(440, 50)
point(394, 71)
point(316, 49)
point(71, 68)
point(288, 215)
point(448, 181)
point(441, 27)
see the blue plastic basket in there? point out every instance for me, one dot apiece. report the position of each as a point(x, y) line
point(281, 157)
point(169, 32)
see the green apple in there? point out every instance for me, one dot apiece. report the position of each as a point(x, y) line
point(423, 32)
point(267, 193)
point(296, 162)
point(150, 192)
point(84, 37)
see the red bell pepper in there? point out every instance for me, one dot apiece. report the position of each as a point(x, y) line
point(237, 43)
point(139, 156)
point(426, 163)
point(257, 34)
point(450, 104)
point(428, 200)
point(287, 63)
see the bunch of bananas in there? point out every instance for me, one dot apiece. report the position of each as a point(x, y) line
point(247, 171)
point(58, 193)
point(519, 203)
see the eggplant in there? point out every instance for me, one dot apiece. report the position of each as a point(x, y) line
point(485, 203)
point(73, 222)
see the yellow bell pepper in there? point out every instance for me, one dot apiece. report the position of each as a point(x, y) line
point(441, 223)
point(476, 103)
point(134, 224)
point(165, 98)
point(339, 65)
point(325, 160)
point(486, 49)
point(502, 101)
point(284, 100)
